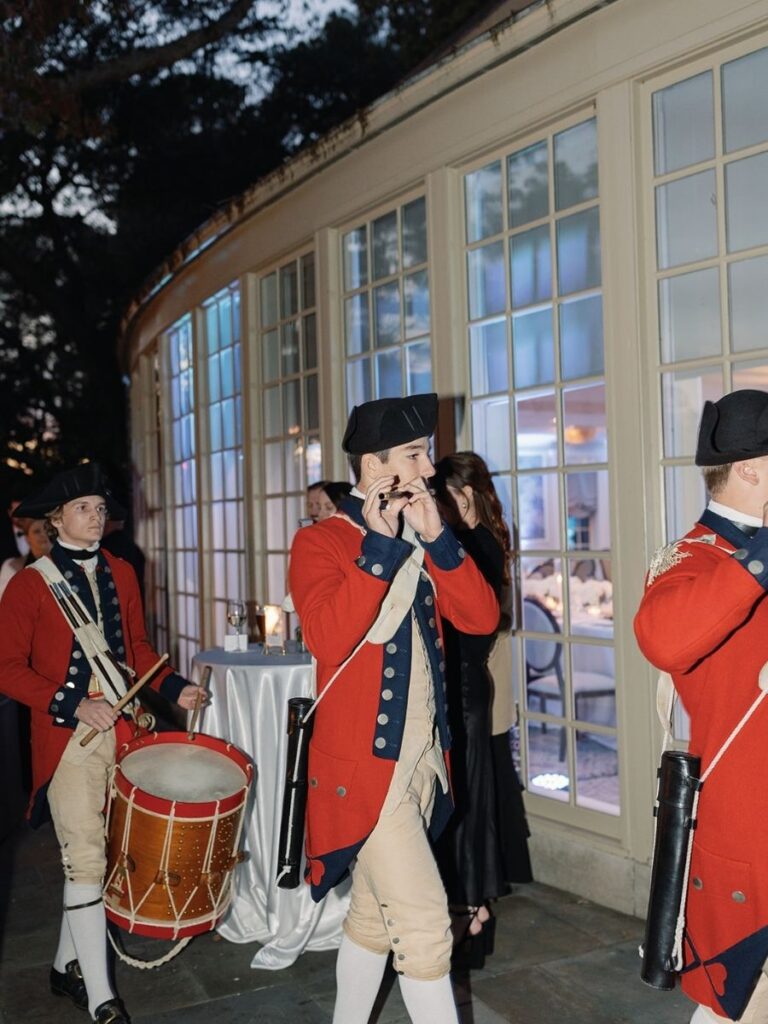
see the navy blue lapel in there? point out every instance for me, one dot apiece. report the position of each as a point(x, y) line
point(74, 574)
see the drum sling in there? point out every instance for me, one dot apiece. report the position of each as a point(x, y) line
point(111, 673)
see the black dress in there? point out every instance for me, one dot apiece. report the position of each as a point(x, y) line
point(471, 854)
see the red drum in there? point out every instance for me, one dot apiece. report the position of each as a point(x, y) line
point(174, 822)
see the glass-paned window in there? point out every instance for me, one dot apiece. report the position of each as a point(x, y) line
point(149, 498)
point(711, 259)
point(712, 296)
point(535, 339)
point(223, 508)
point(386, 305)
point(183, 551)
point(291, 400)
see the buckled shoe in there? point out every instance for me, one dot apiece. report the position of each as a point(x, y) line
point(70, 983)
point(111, 1012)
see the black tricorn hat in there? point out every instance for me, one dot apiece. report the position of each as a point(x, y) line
point(67, 486)
point(733, 428)
point(388, 422)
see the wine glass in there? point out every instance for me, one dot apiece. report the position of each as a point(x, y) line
point(237, 614)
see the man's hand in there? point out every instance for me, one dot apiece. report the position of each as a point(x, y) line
point(421, 511)
point(98, 714)
point(385, 521)
point(192, 696)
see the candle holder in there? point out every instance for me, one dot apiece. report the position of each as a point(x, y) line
point(256, 625)
point(274, 629)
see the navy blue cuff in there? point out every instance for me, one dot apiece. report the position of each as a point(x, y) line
point(445, 551)
point(63, 705)
point(753, 557)
point(382, 556)
point(172, 685)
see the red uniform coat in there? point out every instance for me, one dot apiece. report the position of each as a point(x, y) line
point(338, 577)
point(36, 654)
point(704, 619)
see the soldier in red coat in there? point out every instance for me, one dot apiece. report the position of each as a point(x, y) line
point(704, 619)
point(370, 584)
point(44, 665)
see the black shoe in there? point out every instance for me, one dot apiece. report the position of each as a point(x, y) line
point(111, 1012)
point(70, 983)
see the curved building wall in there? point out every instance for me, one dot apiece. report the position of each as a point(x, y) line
point(562, 230)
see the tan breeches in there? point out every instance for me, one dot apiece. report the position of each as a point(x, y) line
point(76, 796)
point(398, 901)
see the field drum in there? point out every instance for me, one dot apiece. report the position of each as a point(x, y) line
point(174, 822)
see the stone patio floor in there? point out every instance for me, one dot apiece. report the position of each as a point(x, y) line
point(558, 958)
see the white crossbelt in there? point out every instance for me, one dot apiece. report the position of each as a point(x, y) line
point(395, 606)
point(104, 665)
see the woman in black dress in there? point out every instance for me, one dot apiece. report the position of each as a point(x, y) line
point(471, 852)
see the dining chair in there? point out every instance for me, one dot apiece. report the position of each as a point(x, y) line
point(544, 669)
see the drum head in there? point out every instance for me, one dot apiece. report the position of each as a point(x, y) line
point(186, 772)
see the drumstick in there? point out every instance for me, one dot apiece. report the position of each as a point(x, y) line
point(199, 702)
point(128, 697)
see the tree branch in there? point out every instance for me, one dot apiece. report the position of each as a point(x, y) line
point(139, 61)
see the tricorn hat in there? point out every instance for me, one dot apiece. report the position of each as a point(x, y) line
point(733, 428)
point(388, 422)
point(67, 486)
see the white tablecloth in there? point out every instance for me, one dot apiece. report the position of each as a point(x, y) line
point(249, 695)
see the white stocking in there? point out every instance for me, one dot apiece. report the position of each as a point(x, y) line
point(84, 911)
point(65, 952)
point(358, 979)
point(429, 1001)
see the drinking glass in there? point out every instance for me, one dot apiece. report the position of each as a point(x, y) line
point(237, 615)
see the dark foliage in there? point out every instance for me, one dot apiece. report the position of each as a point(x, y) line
point(124, 126)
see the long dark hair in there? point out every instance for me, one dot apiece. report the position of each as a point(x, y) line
point(337, 491)
point(468, 468)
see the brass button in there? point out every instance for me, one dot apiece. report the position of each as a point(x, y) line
point(401, 956)
point(738, 896)
point(382, 719)
point(391, 648)
point(755, 567)
point(389, 673)
point(313, 781)
point(377, 569)
point(395, 941)
point(697, 883)
point(429, 600)
point(386, 695)
point(380, 742)
point(341, 791)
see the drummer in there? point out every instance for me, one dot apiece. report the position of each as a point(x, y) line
point(42, 664)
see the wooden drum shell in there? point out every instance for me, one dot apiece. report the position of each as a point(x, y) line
point(170, 908)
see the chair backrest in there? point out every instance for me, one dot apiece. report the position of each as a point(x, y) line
point(540, 655)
